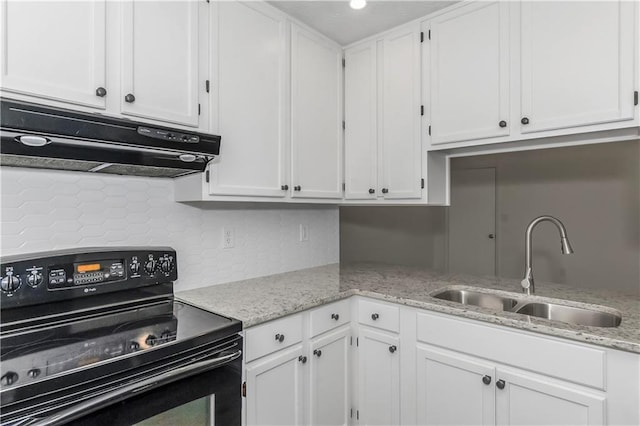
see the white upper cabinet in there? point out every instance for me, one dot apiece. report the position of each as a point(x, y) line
point(469, 73)
point(577, 63)
point(250, 104)
point(316, 116)
point(399, 114)
point(361, 137)
point(160, 60)
point(55, 50)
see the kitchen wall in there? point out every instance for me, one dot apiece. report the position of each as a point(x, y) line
point(44, 210)
point(593, 189)
point(396, 235)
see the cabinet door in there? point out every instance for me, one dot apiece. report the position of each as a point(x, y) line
point(400, 114)
point(329, 383)
point(160, 60)
point(378, 378)
point(61, 59)
point(360, 109)
point(445, 377)
point(528, 400)
point(250, 99)
point(577, 63)
point(275, 389)
point(469, 73)
point(316, 116)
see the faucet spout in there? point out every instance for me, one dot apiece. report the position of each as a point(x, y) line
point(527, 283)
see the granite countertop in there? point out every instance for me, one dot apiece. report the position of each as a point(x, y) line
point(257, 300)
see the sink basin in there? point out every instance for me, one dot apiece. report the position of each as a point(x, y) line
point(476, 298)
point(570, 314)
point(593, 317)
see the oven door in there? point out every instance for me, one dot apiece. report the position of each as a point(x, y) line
point(193, 390)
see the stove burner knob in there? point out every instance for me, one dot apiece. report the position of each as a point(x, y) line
point(151, 340)
point(134, 346)
point(9, 284)
point(9, 378)
point(150, 267)
point(166, 266)
point(33, 373)
point(35, 279)
point(135, 267)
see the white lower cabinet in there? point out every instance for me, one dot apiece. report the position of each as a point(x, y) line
point(329, 378)
point(307, 383)
point(492, 395)
point(524, 399)
point(275, 389)
point(378, 378)
point(396, 365)
point(445, 377)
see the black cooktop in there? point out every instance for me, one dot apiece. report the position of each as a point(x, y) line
point(41, 357)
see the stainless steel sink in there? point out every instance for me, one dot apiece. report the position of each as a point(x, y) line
point(476, 298)
point(523, 305)
point(570, 314)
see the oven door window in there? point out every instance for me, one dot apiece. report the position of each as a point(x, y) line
point(206, 399)
point(200, 412)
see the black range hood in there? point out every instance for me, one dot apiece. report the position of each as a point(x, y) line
point(40, 136)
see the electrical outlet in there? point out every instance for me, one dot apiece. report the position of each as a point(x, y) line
point(228, 240)
point(304, 232)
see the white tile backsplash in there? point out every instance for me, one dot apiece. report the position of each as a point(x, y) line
point(47, 210)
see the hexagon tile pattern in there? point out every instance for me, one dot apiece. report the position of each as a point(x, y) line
point(49, 210)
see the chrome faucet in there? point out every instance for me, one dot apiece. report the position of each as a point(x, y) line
point(527, 282)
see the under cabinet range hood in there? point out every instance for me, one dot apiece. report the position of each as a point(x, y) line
point(40, 136)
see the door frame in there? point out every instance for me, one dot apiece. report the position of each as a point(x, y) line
point(496, 213)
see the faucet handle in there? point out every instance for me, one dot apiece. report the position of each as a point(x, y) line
point(527, 282)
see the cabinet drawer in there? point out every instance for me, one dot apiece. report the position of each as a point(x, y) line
point(273, 336)
point(566, 361)
point(330, 316)
point(379, 315)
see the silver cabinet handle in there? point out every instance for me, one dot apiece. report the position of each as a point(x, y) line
point(130, 98)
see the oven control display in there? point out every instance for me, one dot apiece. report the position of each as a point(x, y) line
point(87, 273)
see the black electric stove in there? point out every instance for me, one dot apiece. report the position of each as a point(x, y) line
point(85, 331)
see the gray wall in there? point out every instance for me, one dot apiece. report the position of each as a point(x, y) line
point(397, 235)
point(593, 189)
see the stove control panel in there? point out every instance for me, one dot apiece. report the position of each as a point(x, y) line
point(58, 275)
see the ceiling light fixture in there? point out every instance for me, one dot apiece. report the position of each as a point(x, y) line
point(357, 4)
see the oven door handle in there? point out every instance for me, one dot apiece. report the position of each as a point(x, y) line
point(120, 394)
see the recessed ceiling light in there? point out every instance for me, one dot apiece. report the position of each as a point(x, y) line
point(357, 4)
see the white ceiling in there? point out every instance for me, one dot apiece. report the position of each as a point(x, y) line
point(338, 21)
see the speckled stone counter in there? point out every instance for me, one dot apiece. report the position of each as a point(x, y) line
point(262, 299)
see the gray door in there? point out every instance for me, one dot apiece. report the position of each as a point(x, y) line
point(471, 219)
